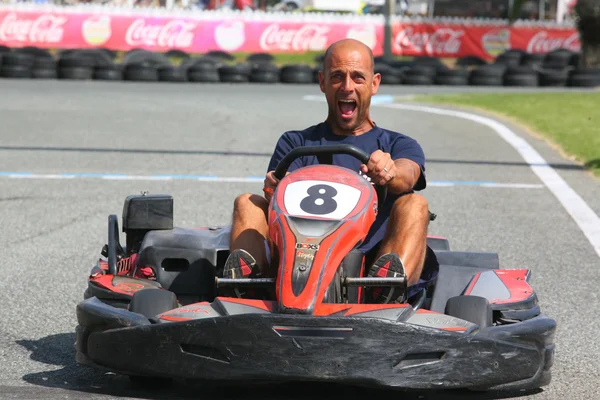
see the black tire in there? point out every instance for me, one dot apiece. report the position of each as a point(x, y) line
point(456, 80)
point(44, 63)
point(521, 80)
point(476, 80)
point(561, 58)
point(204, 75)
point(76, 60)
point(474, 309)
point(234, 73)
point(533, 59)
point(18, 59)
point(146, 57)
point(260, 58)
point(554, 78)
point(301, 74)
point(15, 71)
point(490, 70)
point(423, 70)
point(113, 73)
point(262, 76)
point(510, 58)
point(36, 52)
point(176, 53)
point(85, 58)
point(76, 73)
point(44, 73)
point(151, 302)
point(470, 61)
point(420, 80)
point(584, 80)
point(141, 72)
point(222, 55)
point(171, 74)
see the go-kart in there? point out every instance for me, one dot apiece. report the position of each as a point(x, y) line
point(476, 325)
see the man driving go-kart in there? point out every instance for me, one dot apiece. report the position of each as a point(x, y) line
point(396, 245)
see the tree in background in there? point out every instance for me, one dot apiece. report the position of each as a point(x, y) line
point(587, 14)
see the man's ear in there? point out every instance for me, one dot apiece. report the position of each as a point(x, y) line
point(322, 81)
point(376, 83)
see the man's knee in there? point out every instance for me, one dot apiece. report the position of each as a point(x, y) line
point(248, 202)
point(412, 204)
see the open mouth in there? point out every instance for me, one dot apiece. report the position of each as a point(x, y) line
point(347, 108)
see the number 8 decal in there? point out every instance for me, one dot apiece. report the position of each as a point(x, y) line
point(320, 199)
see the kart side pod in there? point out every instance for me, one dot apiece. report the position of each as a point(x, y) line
point(143, 213)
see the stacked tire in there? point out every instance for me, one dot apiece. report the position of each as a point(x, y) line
point(27, 62)
point(513, 68)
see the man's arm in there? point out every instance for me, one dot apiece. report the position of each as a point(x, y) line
point(400, 176)
point(405, 176)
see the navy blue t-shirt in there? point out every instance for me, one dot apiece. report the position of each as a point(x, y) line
point(396, 144)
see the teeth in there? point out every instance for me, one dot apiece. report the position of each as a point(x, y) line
point(347, 101)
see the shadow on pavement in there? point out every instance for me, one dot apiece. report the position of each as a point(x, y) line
point(593, 164)
point(134, 151)
point(565, 166)
point(77, 381)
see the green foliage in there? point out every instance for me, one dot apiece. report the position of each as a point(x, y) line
point(588, 21)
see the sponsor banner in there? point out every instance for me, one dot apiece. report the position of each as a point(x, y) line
point(162, 33)
point(56, 29)
point(487, 42)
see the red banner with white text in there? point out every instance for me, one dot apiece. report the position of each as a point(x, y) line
point(56, 29)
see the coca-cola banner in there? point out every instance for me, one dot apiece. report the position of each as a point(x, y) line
point(56, 29)
point(487, 42)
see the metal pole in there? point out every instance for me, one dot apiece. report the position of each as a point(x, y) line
point(388, 12)
point(542, 10)
point(431, 8)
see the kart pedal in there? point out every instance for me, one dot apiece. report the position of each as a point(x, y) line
point(241, 265)
point(388, 266)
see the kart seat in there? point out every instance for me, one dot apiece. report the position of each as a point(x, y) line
point(184, 260)
point(456, 269)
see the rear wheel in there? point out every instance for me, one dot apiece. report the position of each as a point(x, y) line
point(474, 309)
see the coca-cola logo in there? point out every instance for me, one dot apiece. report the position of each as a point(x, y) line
point(173, 34)
point(440, 41)
point(541, 42)
point(45, 28)
point(308, 37)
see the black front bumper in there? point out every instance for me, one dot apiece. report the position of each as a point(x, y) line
point(365, 351)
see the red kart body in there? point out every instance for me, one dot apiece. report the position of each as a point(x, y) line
point(317, 216)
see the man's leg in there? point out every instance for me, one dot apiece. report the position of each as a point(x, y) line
point(249, 232)
point(403, 249)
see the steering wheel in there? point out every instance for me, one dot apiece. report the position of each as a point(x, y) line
point(325, 156)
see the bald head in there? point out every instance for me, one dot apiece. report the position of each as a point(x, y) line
point(344, 47)
point(349, 81)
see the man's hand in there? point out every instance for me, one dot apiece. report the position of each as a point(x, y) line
point(380, 168)
point(270, 184)
point(400, 176)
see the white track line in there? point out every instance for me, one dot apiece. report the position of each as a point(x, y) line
point(580, 211)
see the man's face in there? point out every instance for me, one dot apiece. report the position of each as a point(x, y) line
point(348, 83)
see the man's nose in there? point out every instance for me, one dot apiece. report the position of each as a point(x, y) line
point(347, 83)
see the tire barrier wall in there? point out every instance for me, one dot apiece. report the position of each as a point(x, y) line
point(512, 68)
point(198, 32)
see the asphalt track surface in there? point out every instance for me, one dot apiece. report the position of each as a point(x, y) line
point(53, 229)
